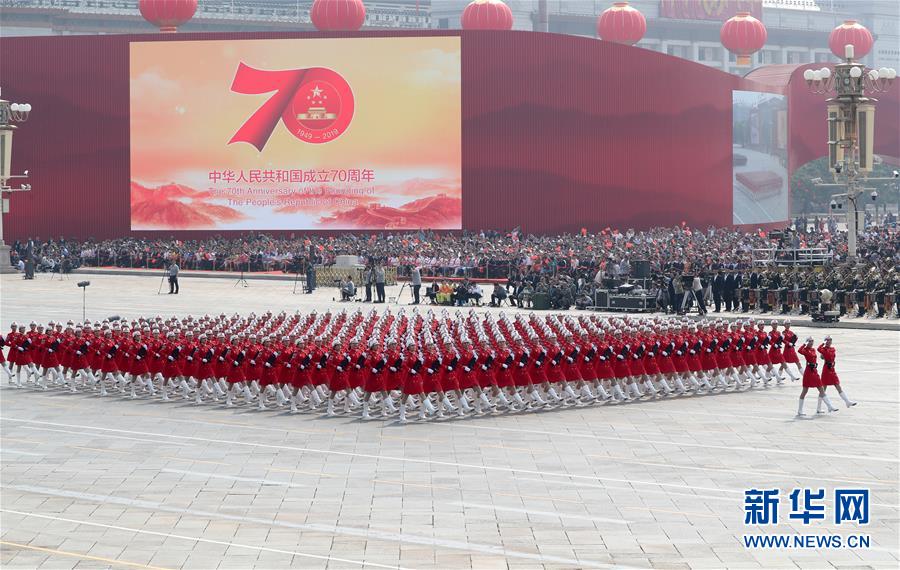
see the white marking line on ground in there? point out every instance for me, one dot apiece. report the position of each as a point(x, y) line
point(551, 514)
point(205, 540)
point(96, 435)
point(791, 452)
point(866, 423)
point(776, 474)
point(313, 527)
point(631, 489)
point(203, 475)
point(401, 459)
point(79, 555)
point(389, 458)
point(667, 493)
point(18, 452)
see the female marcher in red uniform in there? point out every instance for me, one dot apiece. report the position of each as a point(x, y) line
point(78, 363)
point(776, 340)
point(789, 355)
point(811, 378)
point(829, 376)
point(409, 365)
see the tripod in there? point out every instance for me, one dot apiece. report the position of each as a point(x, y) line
point(296, 280)
point(162, 280)
point(400, 294)
point(241, 280)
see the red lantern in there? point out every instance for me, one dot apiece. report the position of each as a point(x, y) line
point(338, 15)
point(853, 33)
point(487, 15)
point(167, 14)
point(621, 24)
point(743, 35)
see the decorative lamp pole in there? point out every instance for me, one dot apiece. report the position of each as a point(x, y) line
point(10, 113)
point(851, 127)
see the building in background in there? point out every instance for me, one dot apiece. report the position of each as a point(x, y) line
point(797, 29)
point(65, 17)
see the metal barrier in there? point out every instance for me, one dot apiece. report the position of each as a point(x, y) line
point(782, 257)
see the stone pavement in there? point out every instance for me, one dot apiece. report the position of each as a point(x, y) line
point(93, 483)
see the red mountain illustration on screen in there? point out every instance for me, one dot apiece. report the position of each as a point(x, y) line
point(176, 206)
point(434, 212)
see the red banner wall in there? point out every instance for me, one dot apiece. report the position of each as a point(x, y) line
point(559, 133)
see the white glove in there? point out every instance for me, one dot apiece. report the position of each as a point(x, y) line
point(483, 367)
point(78, 352)
point(340, 368)
point(620, 357)
point(505, 366)
point(679, 353)
point(411, 371)
point(357, 366)
point(374, 371)
point(318, 366)
point(393, 368)
point(467, 369)
point(268, 365)
point(171, 359)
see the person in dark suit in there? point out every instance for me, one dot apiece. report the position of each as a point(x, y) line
point(728, 289)
point(718, 288)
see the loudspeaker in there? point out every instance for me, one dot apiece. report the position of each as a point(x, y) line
point(642, 269)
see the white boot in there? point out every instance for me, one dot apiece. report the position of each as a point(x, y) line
point(850, 403)
point(552, 393)
point(388, 402)
point(619, 394)
point(800, 413)
point(464, 403)
point(828, 403)
point(427, 405)
point(518, 398)
point(293, 400)
point(248, 395)
point(133, 393)
point(365, 410)
point(447, 405)
point(279, 398)
point(650, 388)
point(261, 399)
point(695, 385)
point(819, 403)
point(185, 390)
point(536, 398)
point(485, 401)
point(570, 392)
point(329, 409)
point(679, 386)
point(402, 412)
point(422, 407)
point(601, 391)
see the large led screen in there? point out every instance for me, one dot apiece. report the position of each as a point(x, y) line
point(318, 134)
point(759, 158)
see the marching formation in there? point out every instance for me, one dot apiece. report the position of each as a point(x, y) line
point(420, 363)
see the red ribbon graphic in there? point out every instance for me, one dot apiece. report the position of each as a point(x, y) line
point(286, 84)
point(250, 81)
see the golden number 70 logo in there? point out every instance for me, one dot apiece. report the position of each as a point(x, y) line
point(315, 104)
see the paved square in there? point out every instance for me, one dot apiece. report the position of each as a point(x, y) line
point(93, 483)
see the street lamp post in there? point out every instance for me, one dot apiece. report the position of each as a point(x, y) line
point(10, 113)
point(851, 126)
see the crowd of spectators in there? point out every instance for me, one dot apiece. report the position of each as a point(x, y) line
point(566, 267)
